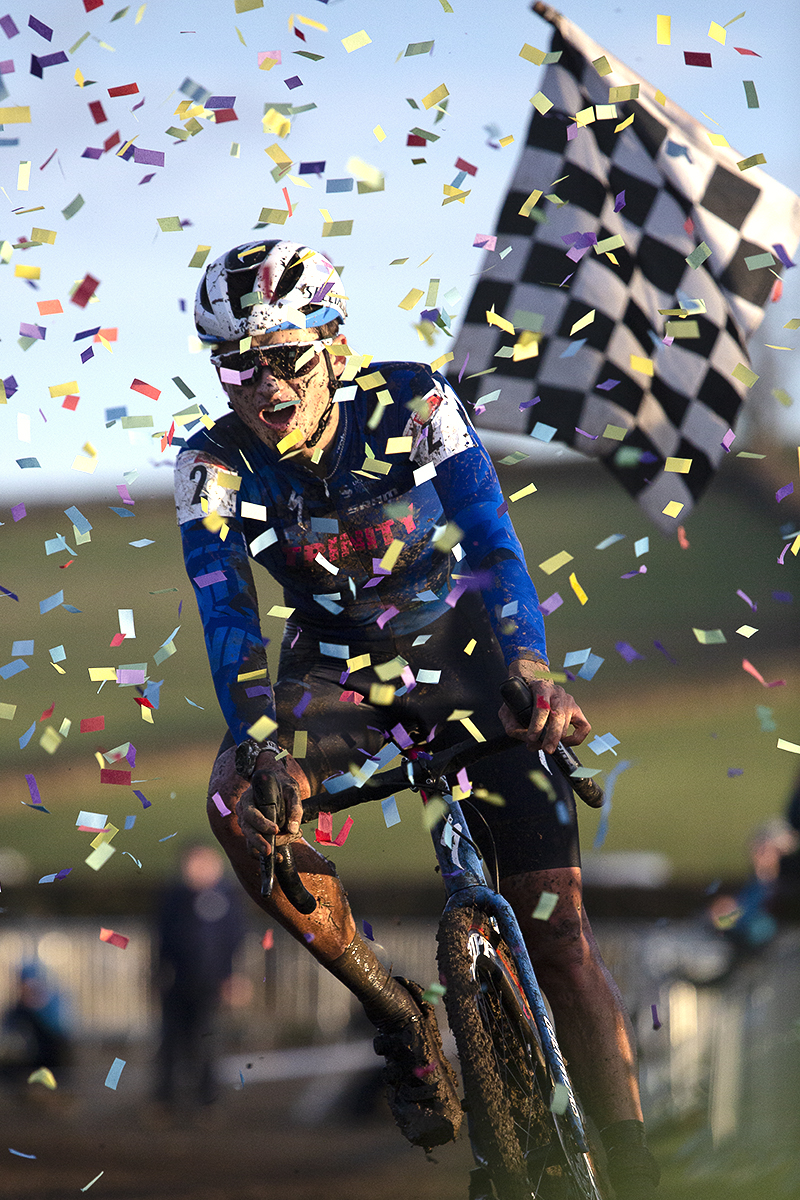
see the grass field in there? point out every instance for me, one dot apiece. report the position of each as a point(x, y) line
point(683, 724)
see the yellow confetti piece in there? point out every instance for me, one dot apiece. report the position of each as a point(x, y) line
point(470, 646)
point(583, 322)
point(399, 445)
point(379, 134)
point(44, 1076)
point(170, 224)
point(50, 740)
point(545, 906)
point(20, 115)
point(279, 156)
point(755, 160)
point(494, 318)
point(717, 32)
point(541, 103)
point(630, 91)
point(262, 728)
point(26, 271)
point(672, 509)
point(441, 360)
point(602, 65)
point(528, 206)
point(97, 674)
point(555, 562)
point(280, 610)
point(663, 30)
point(717, 139)
point(411, 299)
point(526, 491)
point(300, 745)
point(615, 432)
point(680, 465)
point(356, 40)
point(453, 193)
point(7, 711)
point(585, 117)
point(504, 141)
point(577, 589)
point(360, 660)
point(472, 729)
point(79, 77)
point(105, 835)
point(100, 856)
point(140, 14)
point(746, 630)
point(23, 176)
point(644, 365)
point(291, 439)
point(63, 389)
point(744, 375)
point(147, 714)
point(311, 23)
point(435, 97)
point(531, 54)
point(792, 747)
point(381, 694)
point(392, 554)
point(709, 637)
point(605, 112)
point(661, 99)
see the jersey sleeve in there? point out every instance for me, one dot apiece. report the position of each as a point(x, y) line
point(223, 584)
point(470, 494)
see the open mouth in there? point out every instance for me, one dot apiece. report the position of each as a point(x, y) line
point(279, 417)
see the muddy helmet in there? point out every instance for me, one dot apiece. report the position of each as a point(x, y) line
point(295, 288)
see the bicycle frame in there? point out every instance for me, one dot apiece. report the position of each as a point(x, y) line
point(466, 886)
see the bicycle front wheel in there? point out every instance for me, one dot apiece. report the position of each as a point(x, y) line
point(506, 1080)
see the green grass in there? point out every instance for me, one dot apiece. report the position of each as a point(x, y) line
point(683, 726)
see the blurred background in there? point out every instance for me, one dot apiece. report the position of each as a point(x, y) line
point(679, 869)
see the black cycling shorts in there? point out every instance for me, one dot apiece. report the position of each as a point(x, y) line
point(529, 832)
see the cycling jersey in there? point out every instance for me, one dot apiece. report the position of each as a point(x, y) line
point(405, 466)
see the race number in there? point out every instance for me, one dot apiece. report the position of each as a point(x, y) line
point(441, 431)
point(203, 486)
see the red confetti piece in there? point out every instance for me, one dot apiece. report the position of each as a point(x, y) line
point(777, 291)
point(117, 640)
point(146, 389)
point(751, 670)
point(122, 778)
point(113, 939)
point(111, 142)
point(143, 702)
point(96, 109)
point(288, 201)
point(223, 115)
point(70, 403)
point(683, 541)
point(741, 50)
point(462, 165)
point(91, 5)
point(48, 712)
point(167, 438)
point(325, 829)
point(85, 290)
point(696, 58)
point(414, 140)
point(126, 89)
point(92, 724)
point(268, 940)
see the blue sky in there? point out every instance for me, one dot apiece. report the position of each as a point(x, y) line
point(143, 272)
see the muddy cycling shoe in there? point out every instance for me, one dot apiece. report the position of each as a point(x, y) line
point(633, 1171)
point(421, 1084)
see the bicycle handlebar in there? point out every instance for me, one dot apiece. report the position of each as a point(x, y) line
point(517, 696)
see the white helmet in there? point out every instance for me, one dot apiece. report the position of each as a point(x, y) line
point(300, 290)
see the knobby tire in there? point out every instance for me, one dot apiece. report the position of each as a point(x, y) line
point(506, 1081)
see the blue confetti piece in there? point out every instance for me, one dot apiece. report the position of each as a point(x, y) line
point(112, 1078)
point(368, 931)
point(27, 735)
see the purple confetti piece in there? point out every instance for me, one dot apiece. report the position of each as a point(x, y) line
point(148, 158)
point(294, 82)
point(607, 385)
point(455, 595)
point(783, 492)
point(63, 873)
point(220, 102)
point(529, 403)
point(503, 509)
point(8, 27)
point(321, 292)
point(211, 577)
point(311, 168)
point(146, 179)
point(782, 255)
point(87, 354)
point(747, 599)
point(654, 1012)
point(485, 241)
point(141, 796)
point(628, 653)
point(10, 385)
point(782, 554)
point(550, 605)
point(18, 512)
point(38, 332)
point(591, 436)
point(260, 690)
point(430, 314)
point(139, 105)
point(642, 570)
point(666, 653)
point(86, 333)
point(566, 279)
point(131, 754)
point(7, 67)
point(619, 202)
point(344, 677)
point(463, 369)
point(293, 642)
point(734, 771)
point(727, 441)
point(91, 152)
point(783, 597)
point(33, 788)
point(48, 60)
point(221, 805)
point(302, 705)
point(391, 611)
point(39, 27)
point(572, 131)
point(369, 935)
point(576, 253)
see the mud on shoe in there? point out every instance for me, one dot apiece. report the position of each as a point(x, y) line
point(421, 1084)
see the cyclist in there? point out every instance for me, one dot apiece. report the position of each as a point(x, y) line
point(383, 519)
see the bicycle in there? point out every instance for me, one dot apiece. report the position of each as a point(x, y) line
point(530, 1138)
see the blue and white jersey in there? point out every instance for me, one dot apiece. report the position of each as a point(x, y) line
point(402, 479)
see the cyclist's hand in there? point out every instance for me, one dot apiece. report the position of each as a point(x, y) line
point(554, 711)
point(273, 804)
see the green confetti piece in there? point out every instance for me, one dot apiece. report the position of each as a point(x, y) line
point(751, 93)
point(698, 255)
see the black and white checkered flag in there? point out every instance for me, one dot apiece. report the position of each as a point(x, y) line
point(631, 189)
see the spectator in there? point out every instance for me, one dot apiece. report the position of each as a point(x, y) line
point(35, 1030)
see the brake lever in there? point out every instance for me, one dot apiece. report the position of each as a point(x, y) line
point(517, 696)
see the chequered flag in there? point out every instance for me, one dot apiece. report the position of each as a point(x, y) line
point(645, 176)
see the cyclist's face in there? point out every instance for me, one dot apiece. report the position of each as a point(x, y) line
point(291, 393)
